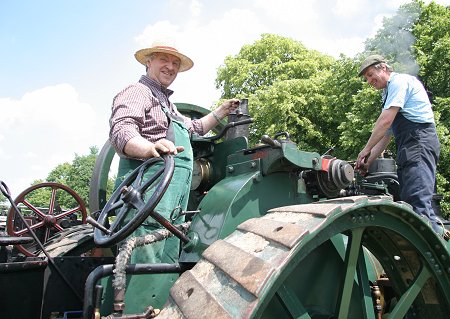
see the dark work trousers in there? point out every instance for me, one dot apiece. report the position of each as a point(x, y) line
point(418, 151)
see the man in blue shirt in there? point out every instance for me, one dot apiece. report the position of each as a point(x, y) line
point(407, 115)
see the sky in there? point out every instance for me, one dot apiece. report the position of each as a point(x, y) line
point(62, 62)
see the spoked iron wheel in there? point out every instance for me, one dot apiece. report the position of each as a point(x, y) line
point(319, 261)
point(48, 208)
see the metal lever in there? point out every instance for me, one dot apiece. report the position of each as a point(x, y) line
point(96, 224)
point(269, 141)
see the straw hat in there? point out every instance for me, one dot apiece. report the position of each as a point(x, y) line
point(369, 61)
point(164, 47)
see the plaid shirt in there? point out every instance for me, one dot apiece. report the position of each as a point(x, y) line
point(136, 111)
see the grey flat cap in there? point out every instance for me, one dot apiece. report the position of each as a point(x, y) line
point(369, 61)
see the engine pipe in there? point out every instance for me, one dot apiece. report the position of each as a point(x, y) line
point(135, 269)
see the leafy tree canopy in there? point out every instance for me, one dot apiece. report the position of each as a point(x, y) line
point(76, 175)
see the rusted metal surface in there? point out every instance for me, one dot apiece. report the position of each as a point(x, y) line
point(246, 269)
point(195, 301)
point(286, 234)
point(21, 266)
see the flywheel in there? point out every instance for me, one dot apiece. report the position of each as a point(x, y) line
point(355, 257)
point(74, 241)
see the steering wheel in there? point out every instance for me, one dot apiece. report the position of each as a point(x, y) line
point(134, 200)
point(63, 207)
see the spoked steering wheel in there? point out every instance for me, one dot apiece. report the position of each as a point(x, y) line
point(48, 208)
point(134, 200)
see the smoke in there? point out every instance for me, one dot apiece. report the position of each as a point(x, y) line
point(395, 40)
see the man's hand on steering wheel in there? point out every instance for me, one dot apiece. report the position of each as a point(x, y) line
point(164, 146)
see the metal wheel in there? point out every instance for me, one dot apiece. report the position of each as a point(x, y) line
point(134, 200)
point(307, 261)
point(64, 208)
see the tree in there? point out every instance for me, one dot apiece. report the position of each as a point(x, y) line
point(282, 80)
point(2, 198)
point(76, 175)
point(432, 47)
point(267, 61)
point(80, 173)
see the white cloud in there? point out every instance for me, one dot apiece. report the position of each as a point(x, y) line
point(347, 8)
point(195, 8)
point(46, 127)
point(207, 45)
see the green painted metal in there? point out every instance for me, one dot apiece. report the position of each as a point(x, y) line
point(99, 180)
point(411, 294)
point(286, 158)
point(256, 180)
point(242, 195)
point(350, 262)
point(364, 280)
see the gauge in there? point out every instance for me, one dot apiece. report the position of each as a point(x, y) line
point(200, 173)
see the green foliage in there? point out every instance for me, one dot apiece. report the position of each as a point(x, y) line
point(76, 175)
point(39, 197)
point(356, 129)
point(282, 80)
point(80, 175)
point(441, 110)
point(433, 48)
point(2, 198)
point(433, 55)
point(269, 60)
point(298, 105)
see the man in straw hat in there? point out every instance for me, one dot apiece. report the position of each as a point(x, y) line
point(407, 115)
point(144, 123)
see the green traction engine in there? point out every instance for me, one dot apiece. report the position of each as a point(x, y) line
point(271, 231)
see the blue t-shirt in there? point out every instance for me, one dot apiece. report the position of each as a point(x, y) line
point(407, 92)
